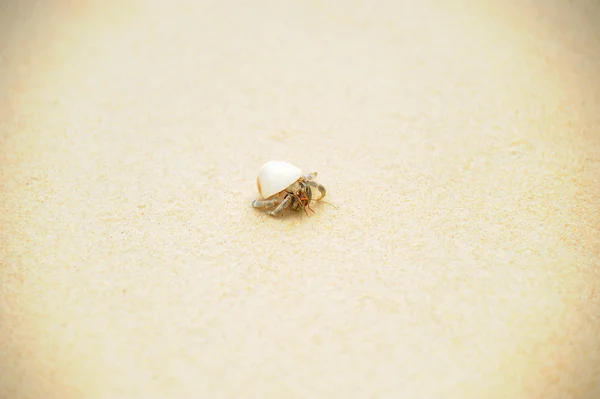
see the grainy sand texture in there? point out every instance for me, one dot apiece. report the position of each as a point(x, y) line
point(459, 141)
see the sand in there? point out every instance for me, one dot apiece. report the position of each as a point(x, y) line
point(459, 141)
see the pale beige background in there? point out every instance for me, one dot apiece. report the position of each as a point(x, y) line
point(460, 143)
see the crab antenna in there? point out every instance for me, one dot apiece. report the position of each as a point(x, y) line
point(328, 203)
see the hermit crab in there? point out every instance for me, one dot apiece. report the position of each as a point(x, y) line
point(282, 185)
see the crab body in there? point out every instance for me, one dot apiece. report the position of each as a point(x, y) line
point(282, 185)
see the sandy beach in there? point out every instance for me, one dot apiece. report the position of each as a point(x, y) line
point(460, 146)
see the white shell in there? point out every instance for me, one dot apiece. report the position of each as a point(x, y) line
point(276, 176)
